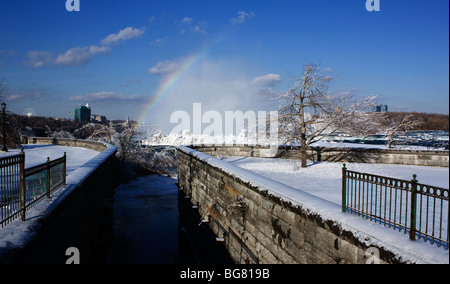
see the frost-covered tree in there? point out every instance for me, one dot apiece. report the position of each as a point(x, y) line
point(308, 111)
point(126, 140)
point(392, 126)
point(59, 133)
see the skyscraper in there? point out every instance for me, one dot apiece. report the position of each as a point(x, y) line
point(381, 108)
point(83, 114)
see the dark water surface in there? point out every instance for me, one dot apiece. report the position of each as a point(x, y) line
point(147, 226)
point(146, 222)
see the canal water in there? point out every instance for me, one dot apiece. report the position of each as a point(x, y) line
point(148, 229)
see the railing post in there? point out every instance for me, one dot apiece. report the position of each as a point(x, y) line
point(64, 168)
point(22, 185)
point(412, 229)
point(48, 177)
point(344, 188)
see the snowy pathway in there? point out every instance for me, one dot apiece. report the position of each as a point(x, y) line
point(37, 154)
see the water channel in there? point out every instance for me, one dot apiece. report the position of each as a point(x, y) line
point(148, 228)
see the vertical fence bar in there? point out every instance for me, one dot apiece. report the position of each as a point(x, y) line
point(64, 168)
point(412, 228)
point(48, 177)
point(344, 188)
point(22, 185)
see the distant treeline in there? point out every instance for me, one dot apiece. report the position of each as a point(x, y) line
point(36, 126)
point(428, 121)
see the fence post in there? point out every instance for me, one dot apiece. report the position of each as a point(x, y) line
point(344, 188)
point(22, 185)
point(412, 229)
point(64, 168)
point(48, 177)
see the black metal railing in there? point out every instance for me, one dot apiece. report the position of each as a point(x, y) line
point(418, 209)
point(21, 188)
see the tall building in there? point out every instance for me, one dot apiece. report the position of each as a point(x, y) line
point(83, 114)
point(381, 108)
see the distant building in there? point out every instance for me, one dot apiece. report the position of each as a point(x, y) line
point(99, 119)
point(381, 108)
point(83, 114)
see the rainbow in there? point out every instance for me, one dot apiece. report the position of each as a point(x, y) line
point(171, 80)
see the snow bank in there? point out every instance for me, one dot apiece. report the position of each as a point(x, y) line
point(367, 232)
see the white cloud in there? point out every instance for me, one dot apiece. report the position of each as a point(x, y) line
point(189, 26)
point(131, 81)
point(158, 41)
point(266, 80)
point(7, 52)
point(38, 58)
point(186, 20)
point(242, 17)
point(106, 97)
point(164, 67)
point(80, 55)
point(125, 34)
point(327, 69)
point(27, 95)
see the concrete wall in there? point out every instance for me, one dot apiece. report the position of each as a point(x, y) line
point(79, 215)
point(258, 227)
point(352, 155)
point(96, 146)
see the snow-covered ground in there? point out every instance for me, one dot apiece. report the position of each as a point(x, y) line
point(324, 179)
point(37, 154)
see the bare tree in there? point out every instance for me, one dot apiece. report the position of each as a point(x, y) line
point(392, 126)
point(308, 111)
point(58, 133)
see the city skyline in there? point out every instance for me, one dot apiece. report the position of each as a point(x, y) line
point(148, 59)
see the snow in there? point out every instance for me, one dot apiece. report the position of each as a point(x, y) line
point(81, 163)
point(37, 154)
point(317, 190)
point(324, 179)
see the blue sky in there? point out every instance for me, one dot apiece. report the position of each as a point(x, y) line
point(147, 59)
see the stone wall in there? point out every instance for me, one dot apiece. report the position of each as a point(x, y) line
point(327, 154)
point(258, 227)
point(79, 215)
point(96, 146)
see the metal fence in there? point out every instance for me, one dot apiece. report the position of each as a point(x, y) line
point(21, 188)
point(418, 209)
